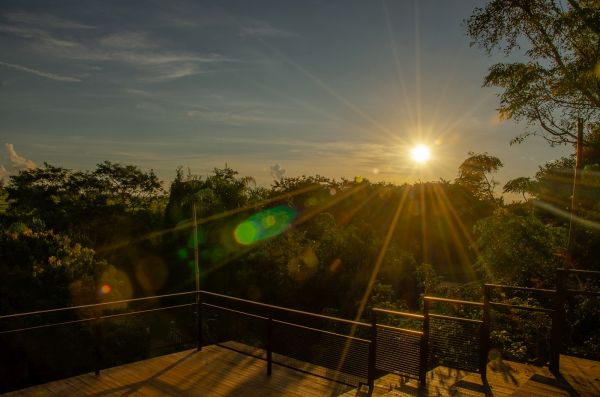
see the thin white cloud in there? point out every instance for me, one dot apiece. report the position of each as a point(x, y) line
point(263, 29)
point(224, 117)
point(41, 73)
point(41, 37)
point(127, 40)
point(15, 164)
point(154, 62)
point(172, 72)
point(43, 20)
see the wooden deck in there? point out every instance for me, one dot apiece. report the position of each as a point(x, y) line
point(580, 378)
point(216, 371)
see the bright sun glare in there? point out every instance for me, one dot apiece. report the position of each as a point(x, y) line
point(421, 154)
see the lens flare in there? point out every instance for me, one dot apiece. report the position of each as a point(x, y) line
point(265, 224)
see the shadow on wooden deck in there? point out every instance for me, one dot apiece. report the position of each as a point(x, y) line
point(216, 371)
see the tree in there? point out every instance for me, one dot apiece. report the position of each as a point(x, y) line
point(44, 270)
point(86, 205)
point(560, 80)
point(518, 250)
point(520, 185)
point(474, 175)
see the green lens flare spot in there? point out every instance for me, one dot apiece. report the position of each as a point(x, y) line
point(264, 224)
point(268, 221)
point(182, 253)
point(245, 233)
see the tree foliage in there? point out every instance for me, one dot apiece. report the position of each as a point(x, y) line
point(474, 174)
point(519, 249)
point(111, 195)
point(42, 270)
point(560, 79)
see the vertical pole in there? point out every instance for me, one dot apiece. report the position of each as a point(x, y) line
point(98, 342)
point(485, 333)
point(198, 322)
point(423, 358)
point(558, 320)
point(196, 255)
point(372, 352)
point(270, 345)
point(576, 179)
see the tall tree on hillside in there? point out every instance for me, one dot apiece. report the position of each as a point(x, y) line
point(560, 79)
point(474, 174)
point(87, 206)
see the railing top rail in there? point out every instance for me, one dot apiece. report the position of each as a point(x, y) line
point(459, 319)
point(285, 309)
point(322, 331)
point(87, 319)
point(401, 330)
point(397, 313)
point(526, 289)
point(583, 292)
point(521, 307)
point(454, 301)
point(92, 305)
point(581, 272)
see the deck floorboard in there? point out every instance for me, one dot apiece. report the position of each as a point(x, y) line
point(219, 372)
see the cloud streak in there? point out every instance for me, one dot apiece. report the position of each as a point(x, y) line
point(45, 20)
point(16, 163)
point(262, 29)
point(155, 62)
point(41, 73)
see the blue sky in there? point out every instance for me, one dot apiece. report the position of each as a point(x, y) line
point(338, 88)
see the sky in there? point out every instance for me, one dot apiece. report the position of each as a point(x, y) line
point(270, 88)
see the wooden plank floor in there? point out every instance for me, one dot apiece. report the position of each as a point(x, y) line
point(216, 371)
point(580, 377)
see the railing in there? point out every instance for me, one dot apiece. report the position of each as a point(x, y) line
point(396, 349)
point(91, 336)
point(457, 341)
point(326, 346)
point(350, 352)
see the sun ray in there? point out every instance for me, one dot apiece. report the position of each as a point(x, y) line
point(418, 65)
point(399, 77)
point(190, 224)
point(374, 272)
point(344, 101)
point(301, 219)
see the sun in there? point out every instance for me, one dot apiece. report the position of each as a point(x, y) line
point(420, 154)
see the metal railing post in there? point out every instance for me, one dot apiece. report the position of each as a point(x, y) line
point(372, 352)
point(423, 358)
point(558, 319)
point(198, 321)
point(270, 344)
point(98, 343)
point(485, 333)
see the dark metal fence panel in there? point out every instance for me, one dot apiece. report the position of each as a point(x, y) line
point(454, 343)
point(44, 354)
point(579, 291)
point(308, 342)
point(222, 326)
point(520, 322)
point(60, 343)
point(328, 354)
point(398, 351)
